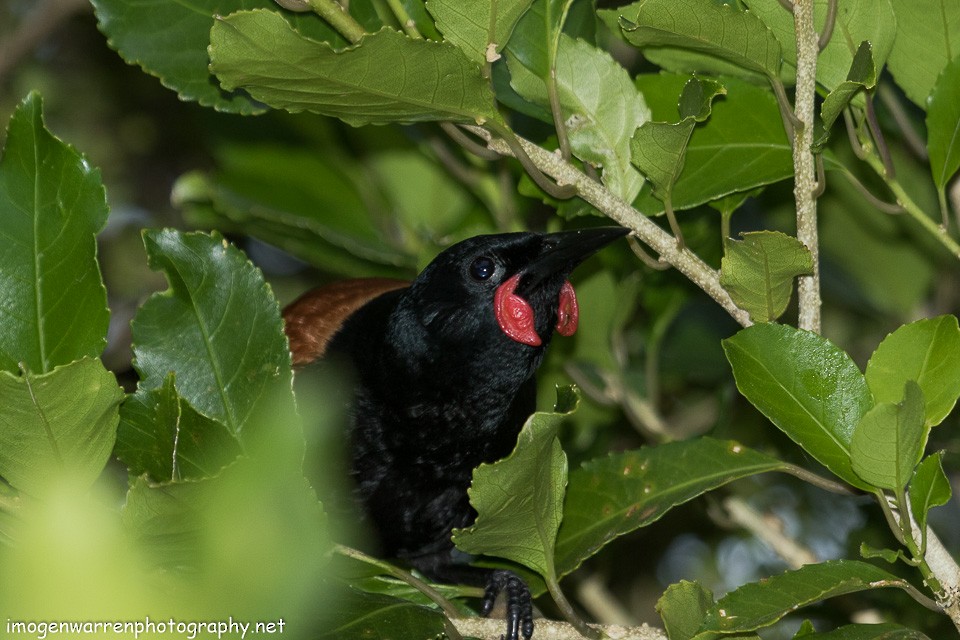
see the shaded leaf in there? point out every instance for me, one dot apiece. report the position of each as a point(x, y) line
point(704, 26)
point(929, 488)
point(889, 441)
point(927, 35)
point(617, 494)
point(160, 434)
point(217, 327)
point(809, 388)
point(169, 40)
point(761, 604)
point(53, 305)
point(519, 500)
point(386, 77)
point(467, 24)
point(356, 615)
point(601, 108)
point(862, 76)
point(880, 631)
point(943, 125)
point(927, 351)
point(759, 270)
point(57, 426)
point(744, 134)
point(682, 608)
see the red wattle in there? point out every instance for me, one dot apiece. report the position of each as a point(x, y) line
point(515, 315)
point(568, 311)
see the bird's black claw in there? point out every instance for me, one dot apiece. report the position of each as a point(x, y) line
point(519, 603)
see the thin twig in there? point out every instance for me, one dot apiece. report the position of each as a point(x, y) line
point(406, 22)
point(891, 208)
point(645, 258)
point(555, 190)
point(787, 4)
point(338, 18)
point(817, 481)
point(467, 143)
point(828, 25)
point(769, 530)
point(909, 132)
point(878, 139)
point(855, 145)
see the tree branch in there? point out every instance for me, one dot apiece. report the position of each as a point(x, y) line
point(492, 629)
point(617, 209)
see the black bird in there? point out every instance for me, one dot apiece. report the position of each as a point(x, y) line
point(444, 380)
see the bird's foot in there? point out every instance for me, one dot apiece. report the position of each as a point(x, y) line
point(519, 603)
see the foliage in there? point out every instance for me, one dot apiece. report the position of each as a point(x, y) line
point(655, 107)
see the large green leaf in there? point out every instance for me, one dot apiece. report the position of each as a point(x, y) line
point(53, 306)
point(943, 125)
point(480, 27)
point(161, 435)
point(744, 135)
point(810, 389)
point(929, 488)
point(519, 500)
point(601, 108)
point(217, 327)
point(386, 77)
point(761, 604)
point(705, 26)
point(682, 608)
point(611, 496)
point(58, 426)
point(170, 39)
point(889, 440)
point(926, 351)
point(856, 21)
point(759, 270)
point(862, 76)
point(928, 33)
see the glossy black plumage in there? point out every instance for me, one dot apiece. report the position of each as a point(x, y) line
point(443, 383)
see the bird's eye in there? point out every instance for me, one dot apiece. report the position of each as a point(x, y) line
point(482, 268)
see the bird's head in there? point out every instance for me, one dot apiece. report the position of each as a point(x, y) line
point(506, 289)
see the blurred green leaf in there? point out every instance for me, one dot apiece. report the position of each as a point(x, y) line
point(805, 385)
point(53, 305)
point(217, 327)
point(763, 603)
point(386, 77)
point(943, 125)
point(356, 615)
point(879, 631)
point(161, 435)
point(926, 351)
point(759, 270)
point(682, 608)
point(719, 30)
point(927, 33)
point(744, 135)
point(58, 426)
point(608, 497)
point(889, 441)
point(468, 24)
point(169, 40)
point(600, 105)
point(929, 488)
point(856, 21)
point(519, 500)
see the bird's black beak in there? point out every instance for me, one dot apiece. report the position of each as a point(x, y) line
point(563, 251)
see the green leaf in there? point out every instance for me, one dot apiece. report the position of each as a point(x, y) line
point(387, 77)
point(744, 135)
point(682, 608)
point(468, 24)
point(927, 351)
point(611, 496)
point(519, 500)
point(600, 105)
point(810, 389)
point(862, 76)
point(169, 40)
point(356, 615)
point(890, 439)
point(927, 35)
point(53, 305)
point(658, 149)
point(217, 327)
point(943, 125)
point(161, 435)
point(929, 488)
point(58, 426)
point(856, 21)
point(880, 631)
point(758, 271)
point(887, 555)
point(718, 30)
point(763, 603)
